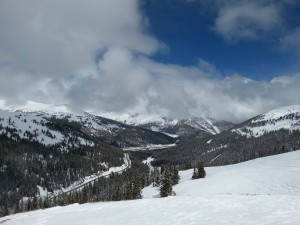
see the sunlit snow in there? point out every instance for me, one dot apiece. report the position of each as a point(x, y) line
point(262, 191)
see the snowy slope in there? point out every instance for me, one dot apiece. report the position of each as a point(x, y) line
point(263, 191)
point(38, 126)
point(283, 118)
point(273, 175)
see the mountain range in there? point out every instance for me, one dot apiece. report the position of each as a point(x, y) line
point(183, 127)
point(50, 125)
point(270, 133)
point(51, 149)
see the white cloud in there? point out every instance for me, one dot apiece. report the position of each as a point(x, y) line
point(58, 38)
point(247, 20)
point(94, 55)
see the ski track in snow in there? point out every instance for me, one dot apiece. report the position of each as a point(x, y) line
point(263, 191)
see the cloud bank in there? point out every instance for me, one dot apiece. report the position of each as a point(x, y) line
point(96, 55)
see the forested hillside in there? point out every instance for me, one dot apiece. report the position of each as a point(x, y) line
point(42, 154)
point(275, 132)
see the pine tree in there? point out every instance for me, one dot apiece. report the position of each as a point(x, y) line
point(34, 203)
point(17, 207)
point(201, 170)
point(118, 194)
point(166, 186)
point(46, 203)
point(83, 196)
point(29, 207)
point(175, 175)
point(5, 208)
point(187, 165)
point(156, 178)
point(40, 204)
point(137, 188)
point(128, 191)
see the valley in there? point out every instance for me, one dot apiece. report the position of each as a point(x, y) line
point(57, 157)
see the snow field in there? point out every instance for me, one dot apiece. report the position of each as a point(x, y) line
point(215, 210)
point(262, 191)
point(273, 175)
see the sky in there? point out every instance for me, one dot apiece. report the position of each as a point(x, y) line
point(227, 60)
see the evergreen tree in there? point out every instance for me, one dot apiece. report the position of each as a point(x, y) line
point(34, 204)
point(156, 178)
point(29, 207)
point(17, 207)
point(46, 203)
point(118, 195)
point(201, 170)
point(5, 208)
point(137, 188)
point(83, 196)
point(175, 175)
point(128, 191)
point(187, 165)
point(40, 203)
point(166, 186)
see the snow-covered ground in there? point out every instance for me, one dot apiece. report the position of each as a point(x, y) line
point(262, 191)
point(274, 175)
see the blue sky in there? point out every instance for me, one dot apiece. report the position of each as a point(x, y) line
point(187, 28)
point(225, 59)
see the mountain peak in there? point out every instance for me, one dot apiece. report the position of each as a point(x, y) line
point(277, 113)
point(287, 118)
point(33, 106)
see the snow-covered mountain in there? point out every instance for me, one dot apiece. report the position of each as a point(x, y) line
point(270, 133)
point(262, 191)
point(53, 125)
point(199, 126)
point(287, 118)
point(31, 106)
